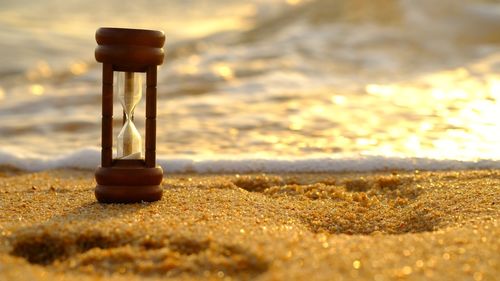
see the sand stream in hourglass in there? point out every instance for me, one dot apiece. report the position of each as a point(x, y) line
point(129, 93)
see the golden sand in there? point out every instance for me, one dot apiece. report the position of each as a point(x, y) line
point(373, 226)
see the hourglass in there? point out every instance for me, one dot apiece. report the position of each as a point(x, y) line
point(131, 176)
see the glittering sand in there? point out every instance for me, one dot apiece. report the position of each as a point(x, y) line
point(374, 226)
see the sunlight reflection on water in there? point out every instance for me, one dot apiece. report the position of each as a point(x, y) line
point(463, 112)
point(296, 78)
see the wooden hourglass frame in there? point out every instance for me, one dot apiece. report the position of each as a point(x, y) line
point(129, 178)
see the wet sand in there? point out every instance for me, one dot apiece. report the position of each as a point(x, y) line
point(370, 226)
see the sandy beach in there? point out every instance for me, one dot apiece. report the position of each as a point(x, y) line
point(347, 226)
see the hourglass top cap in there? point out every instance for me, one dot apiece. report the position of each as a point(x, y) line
point(126, 46)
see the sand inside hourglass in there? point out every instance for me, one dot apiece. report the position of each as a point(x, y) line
point(129, 94)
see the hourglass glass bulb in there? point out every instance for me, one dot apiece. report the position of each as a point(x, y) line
point(129, 142)
point(129, 91)
point(129, 94)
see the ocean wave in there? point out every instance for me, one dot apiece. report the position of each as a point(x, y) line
point(336, 77)
point(88, 158)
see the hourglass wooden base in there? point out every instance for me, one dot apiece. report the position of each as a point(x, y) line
point(128, 181)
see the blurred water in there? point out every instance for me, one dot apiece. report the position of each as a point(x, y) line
point(265, 78)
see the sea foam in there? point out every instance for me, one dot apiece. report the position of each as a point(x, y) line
point(88, 158)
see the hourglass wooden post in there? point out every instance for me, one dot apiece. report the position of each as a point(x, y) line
point(130, 177)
